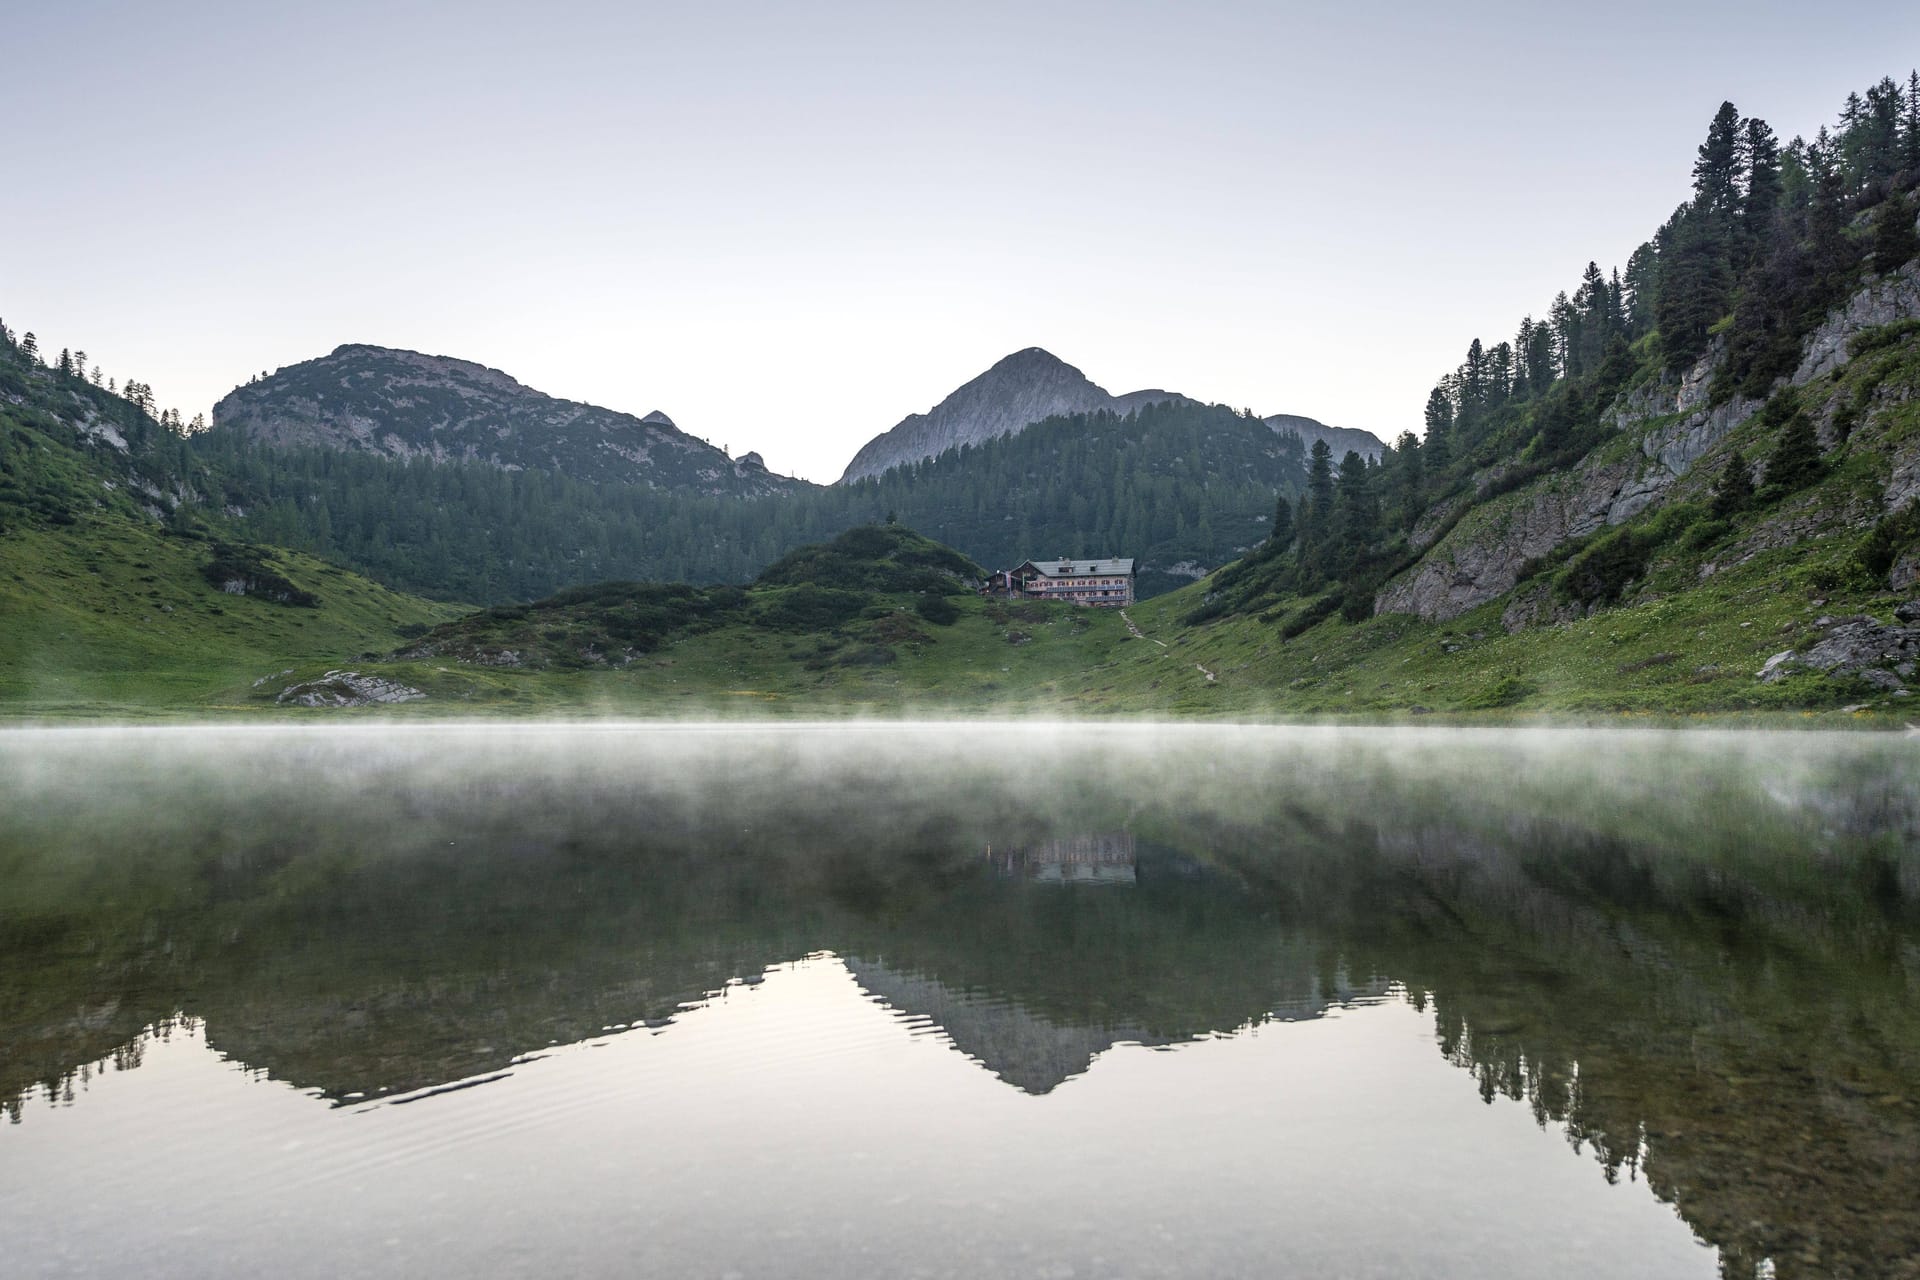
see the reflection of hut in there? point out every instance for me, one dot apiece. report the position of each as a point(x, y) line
point(1093, 858)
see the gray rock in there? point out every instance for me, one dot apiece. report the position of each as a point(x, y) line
point(1889, 299)
point(1903, 478)
point(1854, 644)
point(346, 689)
point(1859, 647)
point(1905, 572)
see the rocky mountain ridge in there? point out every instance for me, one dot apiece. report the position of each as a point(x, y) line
point(1340, 440)
point(408, 405)
point(1031, 386)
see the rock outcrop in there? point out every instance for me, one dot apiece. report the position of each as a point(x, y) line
point(408, 405)
point(1860, 647)
point(1482, 557)
point(346, 689)
point(1888, 300)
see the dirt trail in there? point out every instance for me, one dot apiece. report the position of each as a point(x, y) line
point(1138, 634)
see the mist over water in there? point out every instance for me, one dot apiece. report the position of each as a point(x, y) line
point(940, 999)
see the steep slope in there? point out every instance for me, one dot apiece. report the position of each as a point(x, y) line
point(406, 405)
point(1727, 436)
point(116, 598)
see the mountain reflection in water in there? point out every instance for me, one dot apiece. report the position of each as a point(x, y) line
point(1696, 956)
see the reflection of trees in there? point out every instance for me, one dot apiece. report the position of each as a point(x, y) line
point(1745, 1044)
point(1727, 1012)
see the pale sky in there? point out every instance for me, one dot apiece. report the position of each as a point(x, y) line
point(789, 225)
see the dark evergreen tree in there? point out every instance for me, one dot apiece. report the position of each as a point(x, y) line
point(1280, 536)
point(1716, 173)
point(1761, 156)
point(1894, 239)
point(1733, 492)
point(1696, 287)
point(1910, 131)
point(1408, 478)
point(1795, 461)
point(1641, 284)
point(1356, 516)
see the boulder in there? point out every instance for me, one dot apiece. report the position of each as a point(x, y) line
point(346, 689)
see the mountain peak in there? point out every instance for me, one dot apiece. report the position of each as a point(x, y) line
point(1028, 386)
point(407, 404)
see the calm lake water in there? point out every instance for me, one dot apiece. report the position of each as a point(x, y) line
point(934, 1000)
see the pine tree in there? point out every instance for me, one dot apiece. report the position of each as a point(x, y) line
point(1642, 287)
point(1761, 155)
point(1316, 516)
point(1439, 429)
point(1894, 238)
point(1795, 461)
point(1280, 537)
point(1408, 477)
point(1910, 129)
point(1696, 287)
point(1716, 173)
point(1734, 490)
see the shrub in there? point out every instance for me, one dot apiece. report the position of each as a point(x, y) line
point(1504, 692)
point(1312, 616)
point(938, 610)
point(811, 608)
point(244, 570)
point(1887, 540)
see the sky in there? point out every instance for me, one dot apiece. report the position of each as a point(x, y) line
point(789, 225)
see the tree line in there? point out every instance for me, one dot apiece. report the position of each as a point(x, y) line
point(1165, 485)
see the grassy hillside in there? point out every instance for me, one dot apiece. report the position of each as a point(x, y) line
point(114, 618)
point(115, 600)
point(879, 620)
point(792, 646)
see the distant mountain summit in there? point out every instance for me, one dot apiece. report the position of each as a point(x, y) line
point(1031, 386)
point(1027, 387)
point(405, 404)
point(1339, 439)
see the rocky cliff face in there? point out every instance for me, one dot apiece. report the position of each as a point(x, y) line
point(1664, 431)
point(408, 405)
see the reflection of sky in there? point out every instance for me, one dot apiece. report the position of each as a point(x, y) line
point(794, 1127)
point(790, 225)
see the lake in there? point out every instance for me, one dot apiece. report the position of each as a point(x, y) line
point(958, 1000)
